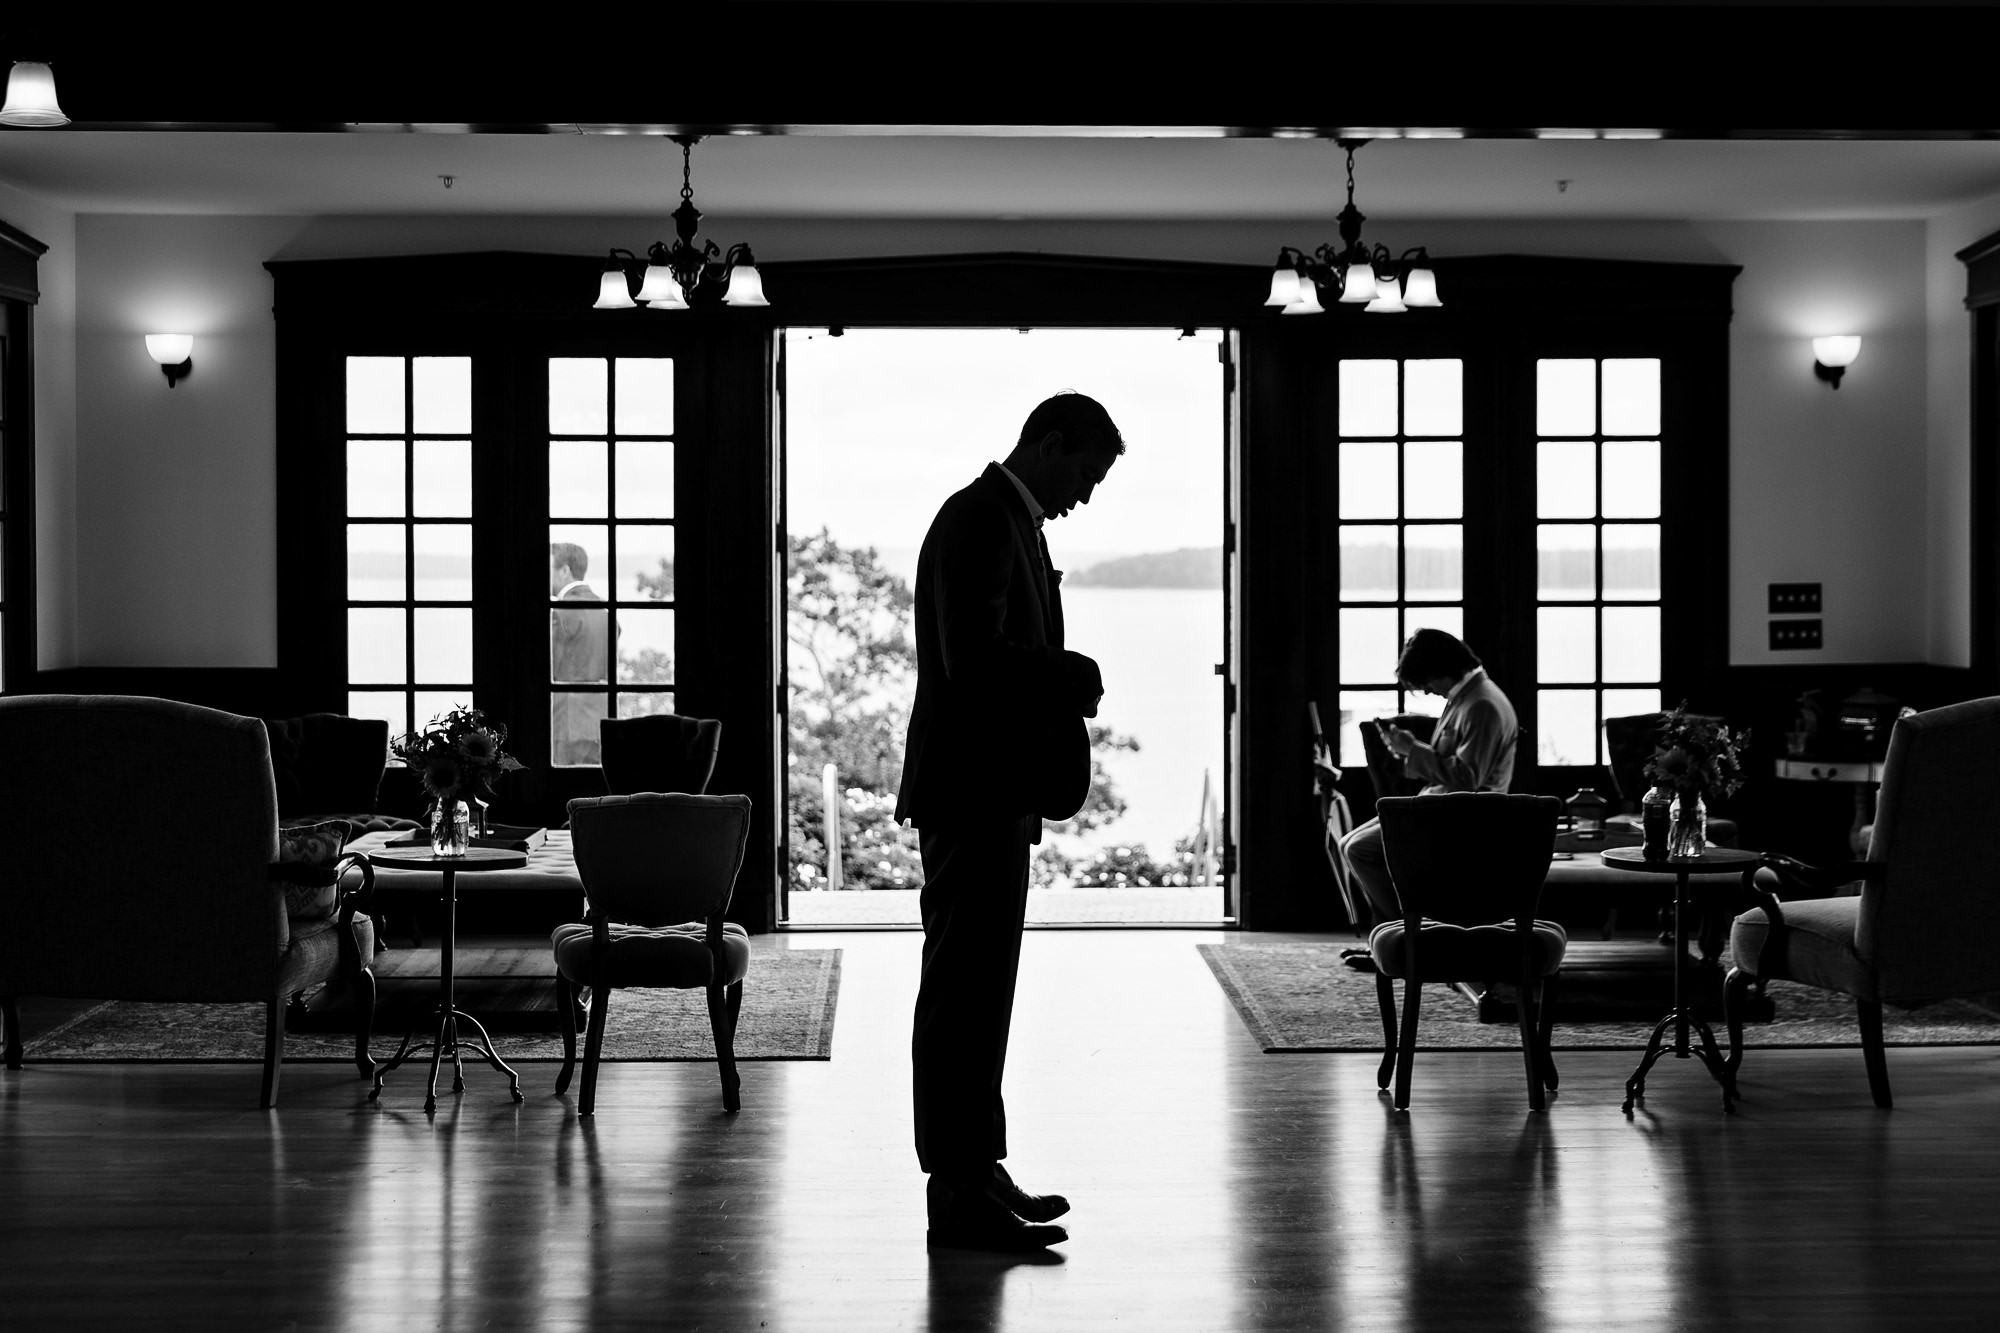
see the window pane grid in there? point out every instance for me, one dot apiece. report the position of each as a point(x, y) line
point(1400, 530)
point(611, 442)
point(409, 537)
point(1598, 646)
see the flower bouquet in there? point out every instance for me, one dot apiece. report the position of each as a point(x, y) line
point(1694, 757)
point(457, 757)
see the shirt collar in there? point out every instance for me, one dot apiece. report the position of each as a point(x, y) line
point(573, 584)
point(1027, 496)
point(1477, 673)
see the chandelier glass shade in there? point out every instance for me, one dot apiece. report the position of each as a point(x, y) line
point(1352, 273)
point(689, 271)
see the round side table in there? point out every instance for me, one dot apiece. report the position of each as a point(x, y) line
point(449, 1014)
point(1682, 1016)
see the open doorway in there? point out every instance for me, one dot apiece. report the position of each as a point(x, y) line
point(880, 426)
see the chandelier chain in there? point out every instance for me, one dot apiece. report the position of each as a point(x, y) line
point(687, 171)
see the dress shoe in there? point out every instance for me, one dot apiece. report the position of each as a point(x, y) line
point(1358, 959)
point(1031, 1207)
point(967, 1217)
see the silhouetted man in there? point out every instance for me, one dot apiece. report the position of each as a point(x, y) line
point(997, 743)
point(579, 650)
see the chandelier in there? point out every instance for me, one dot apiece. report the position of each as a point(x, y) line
point(690, 270)
point(1380, 282)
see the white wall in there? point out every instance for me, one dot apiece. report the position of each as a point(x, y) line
point(55, 424)
point(1826, 486)
point(1950, 428)
point(175, 490)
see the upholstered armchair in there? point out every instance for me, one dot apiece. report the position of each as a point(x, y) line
point(658, 870)
point(663, 752)
point(1920, 918)
point(142, 863)
point(1468, 869)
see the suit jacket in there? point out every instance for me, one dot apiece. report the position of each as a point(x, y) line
point(1473, 746)
point(997, 729)
point(579, 651)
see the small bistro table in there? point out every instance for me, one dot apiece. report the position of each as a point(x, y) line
point(1681, 1017)
point(450, 1015)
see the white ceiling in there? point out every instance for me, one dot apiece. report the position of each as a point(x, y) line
point(991, 177)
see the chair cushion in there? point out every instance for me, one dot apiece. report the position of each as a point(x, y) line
point(313, 955)
point(1468, 953)
point(1817, 946)
point(314, 845)
point(673, 957)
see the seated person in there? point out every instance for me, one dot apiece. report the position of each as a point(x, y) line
point(1472, 749)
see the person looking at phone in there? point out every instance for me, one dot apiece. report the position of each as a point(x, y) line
point(1472, 749)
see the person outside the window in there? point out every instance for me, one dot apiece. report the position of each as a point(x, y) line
point(579, 652)
point(1472, 749)
point(997, 742)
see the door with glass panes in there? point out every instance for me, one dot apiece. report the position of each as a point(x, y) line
point(520, 560)
point(1515, 502)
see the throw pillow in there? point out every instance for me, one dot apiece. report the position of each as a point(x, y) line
point(315, 845)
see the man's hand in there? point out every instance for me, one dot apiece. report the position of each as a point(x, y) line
point(1401, 742)
point(1083, 683)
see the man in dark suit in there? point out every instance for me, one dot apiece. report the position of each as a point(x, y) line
point(997, 743)
point(579, 651)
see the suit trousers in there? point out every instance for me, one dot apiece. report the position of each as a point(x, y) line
point(1370, 867)
point(975, 899)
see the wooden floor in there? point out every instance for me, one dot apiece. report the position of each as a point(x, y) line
point(1215, 1188)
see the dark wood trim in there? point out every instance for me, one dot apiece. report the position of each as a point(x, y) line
point(1982, 276)
point(1205, 63)
point(20, 652)
point(20, 256)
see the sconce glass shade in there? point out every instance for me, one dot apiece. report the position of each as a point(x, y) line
point(170, 349)
point(31, 97)
point(1388, 299)
point(746, 287)
point(1359, 284)
point(612, 293)
point(1284, 286)
point(660, 290)
point(1308, 302)
point(1420, 288)
point(1837, 352)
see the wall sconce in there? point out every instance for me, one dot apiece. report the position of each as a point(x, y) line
point(174, 352)
point(31, 97)
point(1832, 356)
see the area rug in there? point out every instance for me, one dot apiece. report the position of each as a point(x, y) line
point(789, 1000)
point(1299, 998)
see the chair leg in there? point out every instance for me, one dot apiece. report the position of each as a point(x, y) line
point(362, 985)
point(274, 1049)
point(1545, 1005)
point(593, 1047)
point(1531, 1054)
point(1870, 1013)
point(1385, 995)
point(723, 1002)
point(1406, 1053)
point(566, 1004)
point(1735, 999)
point(10, 1021)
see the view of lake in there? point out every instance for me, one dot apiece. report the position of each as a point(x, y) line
point(883, 424)
point(1158, 648)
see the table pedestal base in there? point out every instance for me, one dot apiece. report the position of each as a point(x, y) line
point(1710, 1054)
point(447, 1042)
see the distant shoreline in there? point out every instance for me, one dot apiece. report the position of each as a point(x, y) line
point(1192, 567)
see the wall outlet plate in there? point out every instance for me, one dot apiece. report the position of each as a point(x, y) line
point(1794, 599)
point(1790, 634)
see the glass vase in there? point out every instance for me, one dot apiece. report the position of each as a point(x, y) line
point(1688, 837)
point(451, 828)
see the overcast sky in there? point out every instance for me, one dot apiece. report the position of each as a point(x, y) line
point(883, 424)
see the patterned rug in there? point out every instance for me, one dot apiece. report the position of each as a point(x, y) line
point(1298, 997)
point(788, 1007)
